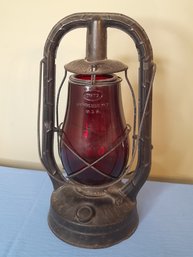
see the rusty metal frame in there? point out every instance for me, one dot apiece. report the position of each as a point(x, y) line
point(84, 224)
point(136, 32)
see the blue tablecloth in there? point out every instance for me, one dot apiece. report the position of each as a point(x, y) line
point(165, 228)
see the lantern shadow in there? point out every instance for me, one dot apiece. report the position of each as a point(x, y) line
point(171, 101)
point(149, 196)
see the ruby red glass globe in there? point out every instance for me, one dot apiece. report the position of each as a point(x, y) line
point(94, 148)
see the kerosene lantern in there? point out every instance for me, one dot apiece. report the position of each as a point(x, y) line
point(94, 200)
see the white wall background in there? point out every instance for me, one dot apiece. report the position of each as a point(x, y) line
point(24, 29)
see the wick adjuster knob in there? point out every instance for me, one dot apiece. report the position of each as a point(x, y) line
point(85, 213)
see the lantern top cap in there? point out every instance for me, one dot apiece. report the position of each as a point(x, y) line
point(96, 61)
point(106, 66)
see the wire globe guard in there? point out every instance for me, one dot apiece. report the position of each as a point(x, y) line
point(96, 217)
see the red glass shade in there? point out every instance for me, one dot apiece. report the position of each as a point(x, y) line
point(94, 144)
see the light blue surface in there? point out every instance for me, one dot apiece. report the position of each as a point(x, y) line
point(165, 228)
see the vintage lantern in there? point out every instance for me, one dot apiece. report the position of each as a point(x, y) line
point(94, 200)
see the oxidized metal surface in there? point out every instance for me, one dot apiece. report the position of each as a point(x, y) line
point(80, 215)
point(91, 222)
point(100, 67)
point(96, 61)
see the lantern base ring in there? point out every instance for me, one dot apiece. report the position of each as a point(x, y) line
point(91, 221)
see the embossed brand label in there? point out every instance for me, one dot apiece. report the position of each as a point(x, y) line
point(93, 96)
